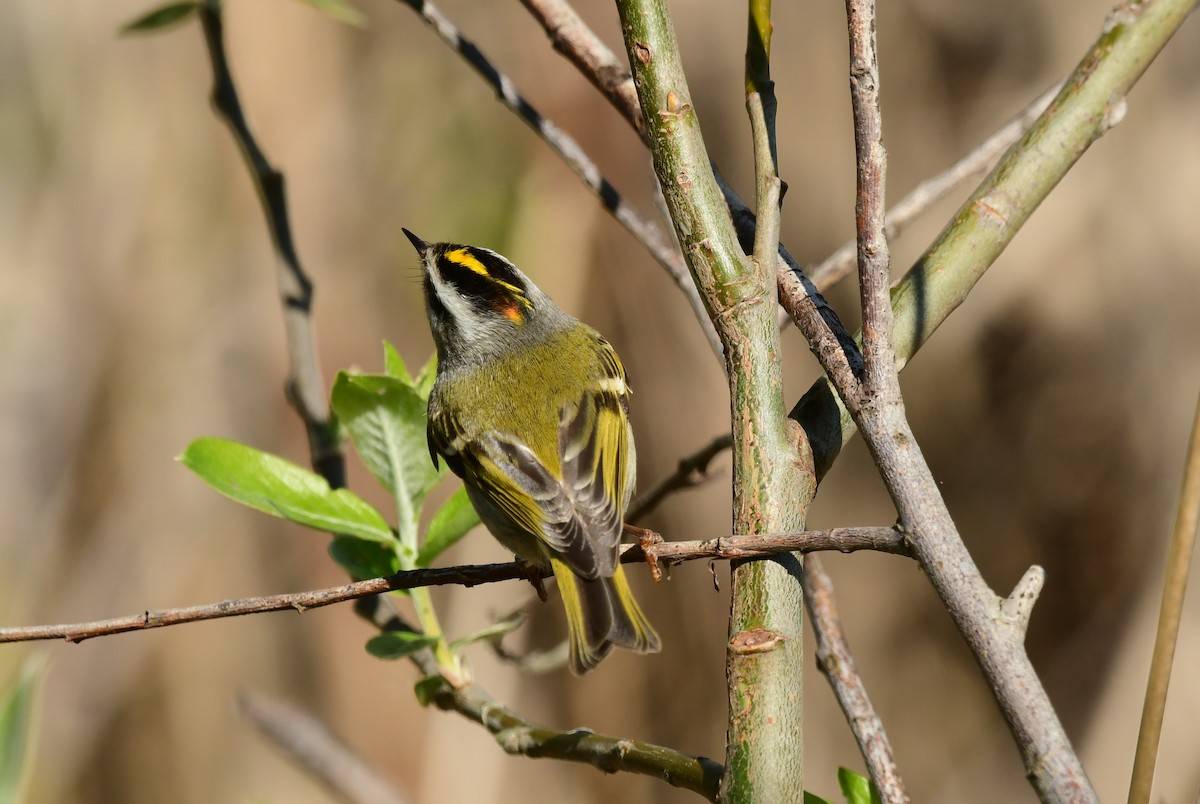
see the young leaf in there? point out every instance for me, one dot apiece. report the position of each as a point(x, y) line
point(429, 688)
point(813, 798)
point(16, 728)
point(398, 644)
point(162, 17)
point(426, 376)
point(449, 524)
point(857, 789)
point(393, 364)
point(492, 632)
point(280, 488)
point(386, 421)
point(363, 559)
point(340, 11)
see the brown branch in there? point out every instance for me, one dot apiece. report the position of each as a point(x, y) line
point(571, 37)
point(842, 262)
point(317, 750)
point(837, 663)
point(305, 386)
point(841, 539)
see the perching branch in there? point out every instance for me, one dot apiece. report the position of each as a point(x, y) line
point(837, 663)
point(1179, 561)
point(305, 386)
point(644, 231)
point(844, 540)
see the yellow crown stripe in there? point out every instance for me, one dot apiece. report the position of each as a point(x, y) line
point(463, 257)
point(467, 260)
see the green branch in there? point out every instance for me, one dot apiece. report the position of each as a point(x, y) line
point(773, 477)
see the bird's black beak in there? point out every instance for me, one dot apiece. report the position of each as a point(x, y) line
point(420, 245)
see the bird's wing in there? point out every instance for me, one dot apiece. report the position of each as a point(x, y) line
point(577, 517)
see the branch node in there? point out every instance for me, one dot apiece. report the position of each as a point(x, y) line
point(1016, 609)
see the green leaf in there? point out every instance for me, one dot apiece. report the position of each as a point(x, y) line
point(363, 559)
point(451, 522)
point(393, 364)
point(857, 789)
point(340, 11)
point(398, 644)
point(426, 376)
point(386, 421)
point(812, 798)
point(16, 728)
point(162, 17)
point(492, 632)
point(280, 488)
point(429, 688)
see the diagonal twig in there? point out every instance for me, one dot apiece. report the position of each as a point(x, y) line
point(516, 735)
point(837, 663)
point(305, 386)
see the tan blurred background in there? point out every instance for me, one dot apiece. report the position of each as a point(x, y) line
point(138, 311)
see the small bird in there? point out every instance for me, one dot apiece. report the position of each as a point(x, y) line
point(530, 409)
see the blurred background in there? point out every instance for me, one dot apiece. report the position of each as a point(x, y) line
point(138, 311)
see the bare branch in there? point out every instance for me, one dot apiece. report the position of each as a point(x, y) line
point(840, 263)
point(1179, 561)
point(844, 540)
point(571, 36)
point(646, 232)
point(516, 735)
point(880, 382)
point(837, 663)
point(317, 750)
point(305, 386)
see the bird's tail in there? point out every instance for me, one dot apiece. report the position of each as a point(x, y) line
point(601, 612)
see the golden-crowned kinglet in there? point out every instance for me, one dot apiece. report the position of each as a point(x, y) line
point(530, 409)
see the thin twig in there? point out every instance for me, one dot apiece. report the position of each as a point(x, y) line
point(880, 381)
point(305, 386)
point(845, 540)
point(646, 232)
point(691, 472)
point(317, 750)
point(837, 663)
point(842, 262)
point(571, 36)
point(1179, 562)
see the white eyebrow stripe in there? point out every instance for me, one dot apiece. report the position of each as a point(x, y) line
point(613, 385)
